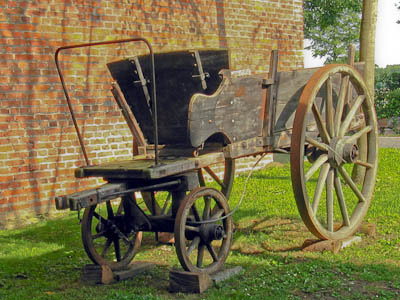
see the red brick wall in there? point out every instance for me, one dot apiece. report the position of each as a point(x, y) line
point(38, 146)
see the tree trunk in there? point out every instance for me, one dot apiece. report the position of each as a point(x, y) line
point(367, 41)
point(367, 54)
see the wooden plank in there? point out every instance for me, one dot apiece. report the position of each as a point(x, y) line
point(145, 168)
point(270, 97)
point(130, 119)
point(102, 274)
point(187, 282)
point(290, 86)
point(333, 246)
point(245, 148)
point(97, 274)
point(235, 109)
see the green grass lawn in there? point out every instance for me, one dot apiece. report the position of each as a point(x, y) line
point(45, 261)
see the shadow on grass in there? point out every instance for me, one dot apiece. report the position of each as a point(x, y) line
point(280, 271)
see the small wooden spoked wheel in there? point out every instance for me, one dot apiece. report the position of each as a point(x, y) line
point(202, 245)
point(106, 236)
point(334, 113)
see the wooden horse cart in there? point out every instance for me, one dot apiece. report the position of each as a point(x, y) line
point(188, 113)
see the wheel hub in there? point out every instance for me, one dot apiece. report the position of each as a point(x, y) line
point(211, 232)
point(350, 152)
point(112, 227)
point(341, 152)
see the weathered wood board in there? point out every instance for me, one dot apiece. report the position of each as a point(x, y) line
point(187, 282)
point(235, 110)
point(289, 88)
point(145, 168)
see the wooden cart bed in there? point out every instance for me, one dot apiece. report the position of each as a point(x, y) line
point(140, 167)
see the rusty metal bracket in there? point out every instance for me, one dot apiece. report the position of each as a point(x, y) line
point(142, 80)
point(203, 75)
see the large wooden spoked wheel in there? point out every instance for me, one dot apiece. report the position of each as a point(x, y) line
point(202, 245)
point(335, 111)
point(106, 236)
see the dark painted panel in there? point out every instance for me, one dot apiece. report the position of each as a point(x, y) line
point(176, 82)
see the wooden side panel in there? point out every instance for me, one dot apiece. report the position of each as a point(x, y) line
point(177, 79)
point(236, 110)
point(290, 86)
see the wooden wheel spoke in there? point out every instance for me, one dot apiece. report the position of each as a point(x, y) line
point(329, 108)
point(195, 212)
point(215, 177)
point(110, 212)
point(217, 213)
point(340, 196)
point(207, 208)
point(224, 179)
point(100, 218)
point(329, 200)
point(211, 250)
point(126, 241)
point(357, 135)
point(341, 101)
point(364, 164)
point(315, 143)
point(193, 245)
point(315, 166)
point(192, 228)
point(200, 255)
point(120, 208)
point(167, 201)
point(201, 177)
point(98, 235)
point(347, 121)
point(320, 186)
point(351, 184)
point(320, 124)
point(106, 247)
point(117, 249)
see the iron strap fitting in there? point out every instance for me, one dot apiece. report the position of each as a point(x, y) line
point(203, 75)
point(142, 80)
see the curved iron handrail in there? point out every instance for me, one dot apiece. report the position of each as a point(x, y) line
point(153, 88)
